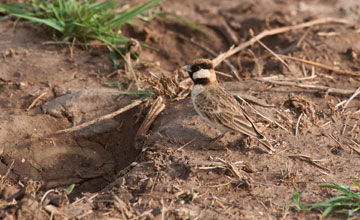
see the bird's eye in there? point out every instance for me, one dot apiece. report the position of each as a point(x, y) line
point(195, 69)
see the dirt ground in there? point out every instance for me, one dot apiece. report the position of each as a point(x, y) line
point(179, 174)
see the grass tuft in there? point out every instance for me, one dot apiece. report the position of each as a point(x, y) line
point(347, 202)
point(82, 20)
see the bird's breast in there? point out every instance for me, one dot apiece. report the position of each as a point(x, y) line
point(197, 89)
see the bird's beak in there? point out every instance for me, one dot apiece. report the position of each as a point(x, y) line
point(187, 68)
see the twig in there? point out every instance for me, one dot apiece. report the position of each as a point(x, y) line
point(298, 123)
point(259, 65)
point(219, 164)
point(156, 178)
point(71, 48)
point(102, 118)
point(123, 207)
point(277, 78)
point(228, 203)
point(181, 147)
point(353, 128)
point(338, 142)
point(223, 74)
point(308, 86)
point(226, 30)
point(274, 31)
point(157, 107)
point(3, 178)
point(257, 112)
point(212, 53)
point(84, 198)
point(253, 99)
point(339, 71)
point(309, 160)
point(148, 212)
point(266, 184)
point(356, 93)
point(344, 127)
point(303, 37)
point(35, 101)
point(154, 75)
point(232, 167)
point(44, 196)
point(340, 104)
point(163, 209)
point(353, 148)
point(223, 184)
point(272, 52)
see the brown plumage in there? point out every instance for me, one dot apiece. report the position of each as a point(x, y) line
point(217, 106)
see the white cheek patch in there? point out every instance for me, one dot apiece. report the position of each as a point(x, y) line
point(201, 74)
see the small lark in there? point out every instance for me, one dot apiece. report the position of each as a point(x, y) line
point(217, 106)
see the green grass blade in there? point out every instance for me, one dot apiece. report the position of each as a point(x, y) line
point(347, 203)
point(16, 8)
point(51, 22)
point(356, 183)
point(69, 189)
point(137, 92)
point(188, 23)
point(131, 13)
point(144, 93)
point(131, 69)
point(58, 15)
point(327, 211)
point(113, 59)
point(113, 84)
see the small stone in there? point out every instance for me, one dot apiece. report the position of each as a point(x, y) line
point(18, 74)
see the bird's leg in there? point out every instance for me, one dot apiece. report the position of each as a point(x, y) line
point(217, 138)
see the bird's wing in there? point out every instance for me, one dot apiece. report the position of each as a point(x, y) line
point(221, 108)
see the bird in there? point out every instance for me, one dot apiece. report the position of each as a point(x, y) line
point(217, 106)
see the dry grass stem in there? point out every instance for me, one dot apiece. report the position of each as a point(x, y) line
point(272, 52)
point(157, 107)
point(35, 101)
point(326, 89)
point(309, 160)
point(356, 93)
point(182, 147)
point(267, 184)
point(259, 65)
point(4, 177)
point(340, 104)
point(223, 74)
point(44, 196)
point(356, 149)
point(229, 34)
point(231, 167)
point(298, 123)
point(275, 31)
point(146, 213)
point(279, 78)
point(339, 71)
point(253, 99)
point(338, 142)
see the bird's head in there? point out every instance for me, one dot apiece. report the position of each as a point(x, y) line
point(201, 71)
